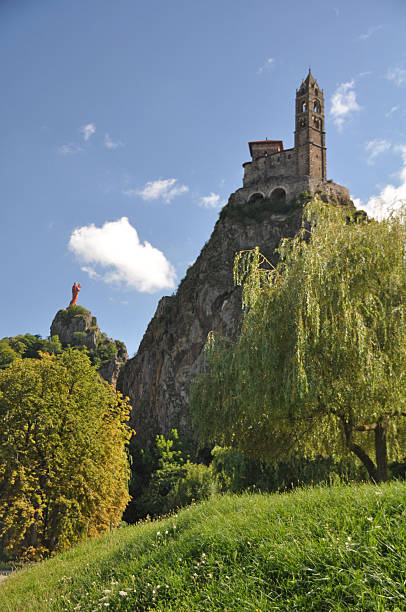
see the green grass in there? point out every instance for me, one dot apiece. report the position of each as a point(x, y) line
point(338, 548)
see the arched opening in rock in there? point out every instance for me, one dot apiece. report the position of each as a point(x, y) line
point(255, 197)
point(278, 196)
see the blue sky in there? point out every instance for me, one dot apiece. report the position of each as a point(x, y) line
point(125, 124)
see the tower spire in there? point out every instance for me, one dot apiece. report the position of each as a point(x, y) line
point(309, 134)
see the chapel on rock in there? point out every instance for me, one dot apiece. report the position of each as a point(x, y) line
point(282, 174)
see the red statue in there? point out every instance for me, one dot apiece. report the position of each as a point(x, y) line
point(75, 293)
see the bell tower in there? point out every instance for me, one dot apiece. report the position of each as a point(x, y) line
point(310, 136)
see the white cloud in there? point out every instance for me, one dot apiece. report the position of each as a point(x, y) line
point(343, 103)
point(370, 31)
point(69, 149)
point(88, 130)
point(375, 148)
point(90, 271)
point(210, 201)
point(166, 189)
point(268, 64)
point(390, 198)
point(117, 250)
point(111, 144)
point(397, 75)
point(392, 110)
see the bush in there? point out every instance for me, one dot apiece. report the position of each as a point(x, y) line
point(258, 209)
point(164, 478)
point(79, 338)
point(234, 472)
point(196, 485)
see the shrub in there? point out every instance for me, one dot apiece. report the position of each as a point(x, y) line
point(197, 484)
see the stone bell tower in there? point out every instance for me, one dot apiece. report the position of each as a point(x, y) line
point(310, 136)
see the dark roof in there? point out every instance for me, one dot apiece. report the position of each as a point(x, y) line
point(264, 141)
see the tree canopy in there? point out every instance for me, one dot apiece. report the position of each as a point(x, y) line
point(26, 345)
point(319, 367)
point(63, 465)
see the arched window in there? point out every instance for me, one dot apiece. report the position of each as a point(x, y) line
point(316, 122)
point(316, 92)
point(278, 196)
point(317, 106)
point(304, 107)
point(255, 197)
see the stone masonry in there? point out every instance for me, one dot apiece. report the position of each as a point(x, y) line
point(275, 172)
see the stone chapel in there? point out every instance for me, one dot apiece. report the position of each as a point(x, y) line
point(282, 174)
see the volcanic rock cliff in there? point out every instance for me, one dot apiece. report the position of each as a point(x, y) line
point(158, 378)
point(76, 326)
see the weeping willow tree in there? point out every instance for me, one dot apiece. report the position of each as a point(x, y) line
point(319, 367)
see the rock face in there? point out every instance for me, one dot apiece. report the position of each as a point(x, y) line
point(157, 379)
point(76, 326)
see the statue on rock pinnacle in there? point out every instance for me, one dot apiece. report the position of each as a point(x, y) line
point(75, 293)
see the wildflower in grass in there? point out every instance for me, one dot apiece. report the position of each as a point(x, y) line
point(103, 598)
point(107, 591)
point(369, 518)
point(123, 593)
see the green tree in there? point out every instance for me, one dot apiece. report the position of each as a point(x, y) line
point(320, 365)
point(27, 346)
point(63, 466)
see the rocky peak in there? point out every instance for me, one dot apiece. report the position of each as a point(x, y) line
point(76, 326)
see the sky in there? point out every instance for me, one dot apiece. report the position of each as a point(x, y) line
point(124, 126)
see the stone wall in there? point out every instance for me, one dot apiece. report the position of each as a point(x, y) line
point(268, 167)
point(293, 187)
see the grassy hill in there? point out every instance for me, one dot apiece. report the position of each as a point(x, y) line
point(332, 548)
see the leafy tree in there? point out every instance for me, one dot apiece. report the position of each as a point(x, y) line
point(7, 354)
point(27, 346)
point(163, 478)
point(63, 466)
point(157, 498)
point(320, 365)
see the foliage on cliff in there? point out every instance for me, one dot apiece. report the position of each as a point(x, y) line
point(319, 366)
point(63, 466)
